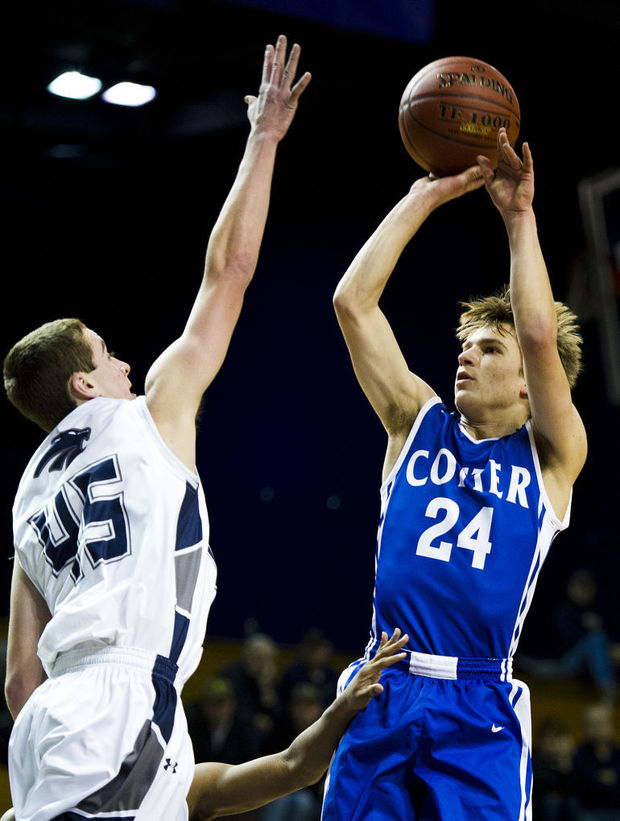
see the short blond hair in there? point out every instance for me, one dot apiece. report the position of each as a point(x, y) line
point(496, 309)
point(38, 368)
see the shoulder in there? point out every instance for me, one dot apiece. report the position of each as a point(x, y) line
point(434, 419)
point(556, 475)
point(431, 417)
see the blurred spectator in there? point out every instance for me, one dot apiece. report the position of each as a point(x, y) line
point(579, 626)
point(552, 763)
point(313, 666)
point(582, 644)
point(255, 684)
point(305, 706)
point(597, 766)
point(215, 728)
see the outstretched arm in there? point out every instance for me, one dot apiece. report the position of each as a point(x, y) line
point(395, 393)
point(224, 789)
point(177, 380)
point(557, 426)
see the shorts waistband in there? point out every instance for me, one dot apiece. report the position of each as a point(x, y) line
point(121, 656)
point(454, 667)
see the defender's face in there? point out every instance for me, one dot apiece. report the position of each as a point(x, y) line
point(110, 375)
point(490, 371)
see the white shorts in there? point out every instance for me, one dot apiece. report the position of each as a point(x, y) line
point(104, 737)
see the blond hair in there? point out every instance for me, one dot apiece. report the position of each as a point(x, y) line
point(496, 309)
point(38, 368)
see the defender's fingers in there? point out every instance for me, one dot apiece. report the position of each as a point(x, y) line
point(267, 63)
point(388, 661)
point(291, 66)
point(386, 644)
point(278, 60)
point(370, 690)
point(391, 647)
point(378, 665)
point(396, 636)
point(299, 87)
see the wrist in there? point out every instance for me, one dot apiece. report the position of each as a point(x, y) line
point(420, 203)
point(520, 223)
point(521, 217)
point(342, 708)
point(262, 133)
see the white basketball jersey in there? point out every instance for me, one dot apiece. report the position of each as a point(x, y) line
point(113, 531)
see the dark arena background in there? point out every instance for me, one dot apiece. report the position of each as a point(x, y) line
point(107, 211)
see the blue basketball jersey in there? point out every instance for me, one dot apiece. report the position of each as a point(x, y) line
point(465, 528)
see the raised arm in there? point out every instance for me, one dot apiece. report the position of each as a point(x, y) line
point(557, 425)
point(392, 389)
point(27, 618)
point(177, 380)
point(223, 789)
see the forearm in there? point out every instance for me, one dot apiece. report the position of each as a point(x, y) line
point(16, 696)
point(28, 616)
point(309, 754)
point(361, 287)
point(20, 686)
point(531, 295)
point(364, 282)
point(223, 789)
point(236, 237)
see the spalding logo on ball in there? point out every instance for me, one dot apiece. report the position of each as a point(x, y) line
point(452, 110)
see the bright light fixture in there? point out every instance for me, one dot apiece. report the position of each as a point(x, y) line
point(132, 94)
point(75, 85)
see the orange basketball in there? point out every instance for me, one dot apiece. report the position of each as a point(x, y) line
point(452, 110)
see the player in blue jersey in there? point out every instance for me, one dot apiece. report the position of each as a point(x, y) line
point(470, 503)
point(114, 576)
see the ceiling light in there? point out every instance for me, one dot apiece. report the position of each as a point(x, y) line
point(132, 94)
point(75, 85)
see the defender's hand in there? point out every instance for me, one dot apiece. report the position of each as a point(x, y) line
point(365, 685)
point(273, 110)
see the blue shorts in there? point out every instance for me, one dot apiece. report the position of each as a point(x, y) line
point(431, 748)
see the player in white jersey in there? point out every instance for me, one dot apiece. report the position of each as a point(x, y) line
point(470, 504)
point(113, 576)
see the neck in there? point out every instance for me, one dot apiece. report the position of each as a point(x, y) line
point(495, 429)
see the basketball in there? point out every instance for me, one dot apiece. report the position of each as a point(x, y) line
point(452, 110)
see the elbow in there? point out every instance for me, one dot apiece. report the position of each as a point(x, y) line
point(353, 298)
point(538, 335)
point(240, 269)
point(340, 304)
point(14, 696)
point(17, 691)
point(236, 270)
point(346, 306)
